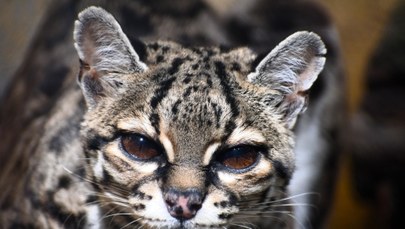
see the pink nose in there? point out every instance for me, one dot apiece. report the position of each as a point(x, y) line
point(183, 205)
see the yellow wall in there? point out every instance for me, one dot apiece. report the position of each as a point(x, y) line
point(360, 24)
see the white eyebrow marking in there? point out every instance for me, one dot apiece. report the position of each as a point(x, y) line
point(209, 152)
point(167, 144)
point(139, 124)
point(245, 136)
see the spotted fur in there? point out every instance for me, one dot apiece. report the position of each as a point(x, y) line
point(194, 102)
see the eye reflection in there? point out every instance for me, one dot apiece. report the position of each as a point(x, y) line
point(140, 146)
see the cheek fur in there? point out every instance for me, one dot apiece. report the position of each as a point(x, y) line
point(216, 209)
point(251, 182)
point(124, 170)
point(154, 210)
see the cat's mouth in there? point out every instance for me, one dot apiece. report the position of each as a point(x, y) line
point(177, 224)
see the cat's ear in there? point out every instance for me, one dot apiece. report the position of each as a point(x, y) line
point(103, 49)
point(290, 69)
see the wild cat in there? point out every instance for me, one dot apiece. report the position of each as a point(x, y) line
point(187, 137)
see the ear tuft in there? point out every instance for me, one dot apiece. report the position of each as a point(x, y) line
point(290, 69)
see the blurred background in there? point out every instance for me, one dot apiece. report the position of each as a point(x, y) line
point(370, 187)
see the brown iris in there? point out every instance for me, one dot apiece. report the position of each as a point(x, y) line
point(140, 146)
point(240, 157)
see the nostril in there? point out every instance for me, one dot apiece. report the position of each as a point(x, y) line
point(178, 210)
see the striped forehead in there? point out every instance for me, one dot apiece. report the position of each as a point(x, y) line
point(195, 88)
point(193, 106)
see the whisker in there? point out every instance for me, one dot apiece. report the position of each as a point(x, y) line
point(296, 220)
point(277, 200)
point(130, 223)
point(240, 225)
point(261, 213)
point(279, 219)
point(117, 188)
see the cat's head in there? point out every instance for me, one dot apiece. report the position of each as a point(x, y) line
point(190, 137)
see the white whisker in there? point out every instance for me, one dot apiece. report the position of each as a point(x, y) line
point(130, 223)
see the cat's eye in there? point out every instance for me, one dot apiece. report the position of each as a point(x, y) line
point(240, 157)
point(140, 146)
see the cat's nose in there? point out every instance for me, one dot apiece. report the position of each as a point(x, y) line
point(183, 205)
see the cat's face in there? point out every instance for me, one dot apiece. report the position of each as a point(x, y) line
point(190, 137)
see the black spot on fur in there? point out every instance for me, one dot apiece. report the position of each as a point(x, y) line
point(209, 82)
point(64, 182)
point(225, 216)
point(224, 204)
point(159, 58)
point(139, 207)
point(154, 46)
point(107, 178)
point(196, 50)
point(154, 120)
point(218, 113)
point(229, 127)
point(92, 199)
point(235, 67)
point(175, 65)
point(281, 170)
point(139, 194)
point(195, 66)
point(175, 107)
point(187, 92)
point(187, 79)
point(161, 92)
point(165, 49)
